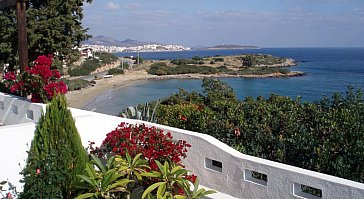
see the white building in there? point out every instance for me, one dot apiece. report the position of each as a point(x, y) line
point(86, 52)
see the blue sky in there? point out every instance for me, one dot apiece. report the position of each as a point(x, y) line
point(265, 23)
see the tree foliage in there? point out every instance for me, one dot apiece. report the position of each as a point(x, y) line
point(53, 26)
point(8, 37)
point(325, 136)
point(56, 155)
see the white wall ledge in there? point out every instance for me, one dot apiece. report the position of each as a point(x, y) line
point(233, 178)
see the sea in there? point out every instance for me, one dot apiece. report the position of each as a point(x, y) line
point(327, 70)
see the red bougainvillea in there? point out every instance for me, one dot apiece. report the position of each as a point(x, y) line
point(40, 81)
point(150, 141)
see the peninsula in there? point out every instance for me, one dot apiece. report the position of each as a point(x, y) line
point(229, 47)
point(245, 66)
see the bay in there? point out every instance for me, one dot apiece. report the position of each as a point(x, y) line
point(327, 70)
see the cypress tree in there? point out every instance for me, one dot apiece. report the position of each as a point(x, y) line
point(56, 155)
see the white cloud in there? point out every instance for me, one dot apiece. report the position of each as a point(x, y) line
point(112, 6)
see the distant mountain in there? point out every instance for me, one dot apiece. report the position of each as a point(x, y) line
point(199, 47)
point(109, 41)
point(229, 46)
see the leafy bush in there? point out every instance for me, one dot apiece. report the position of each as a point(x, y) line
point(125, 177)
point(107, 181)
point(149, 141)
point(262, 71)
point(197, 58)
point(163, 69)
point(115, 71)
point(251, 60)
point(40, 82)
point(90, 65)
point(146, 159)
point(106, 58)
point(183, 62)
point(77, 84)
point(325, 136)
point(218, 59)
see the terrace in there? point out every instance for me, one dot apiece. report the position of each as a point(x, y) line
point(218, 166)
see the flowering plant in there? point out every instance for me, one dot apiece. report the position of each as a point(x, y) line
point(39, 81)
point(151, 142)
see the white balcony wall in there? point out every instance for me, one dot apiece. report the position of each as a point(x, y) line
point(217, 165)
point(15, 110)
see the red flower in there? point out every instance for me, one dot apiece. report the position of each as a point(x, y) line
point(39, 81)
point(10, 76)
point(37, 171)
point(151, 142)
point(191, 178)
point(14, 88)
point(183, 118)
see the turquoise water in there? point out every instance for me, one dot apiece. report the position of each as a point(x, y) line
point(328, 70)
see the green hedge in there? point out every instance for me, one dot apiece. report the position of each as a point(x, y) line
point(325, 136)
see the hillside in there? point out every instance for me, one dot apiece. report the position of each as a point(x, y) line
point(109, 41)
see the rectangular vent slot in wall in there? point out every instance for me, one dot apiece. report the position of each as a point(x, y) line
point(14, 109)
point(307, 192)
point(213, 165)
point(2, 105)
point(30, 115)
point(255, 177)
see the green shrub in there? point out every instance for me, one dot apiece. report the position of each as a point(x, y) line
point(219, 59)
point(76, 84)
point(163, 69)
point(197, 58)
point(183, 61)
point(56, 155)
point(115, 71)
point(325, 136)
point(88, 66)
point(106, 58)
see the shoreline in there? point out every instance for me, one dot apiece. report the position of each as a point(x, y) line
point(79, 98)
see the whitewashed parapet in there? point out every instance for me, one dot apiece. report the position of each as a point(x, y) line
point(222, 168)
point(15, 110)
point(218, 166)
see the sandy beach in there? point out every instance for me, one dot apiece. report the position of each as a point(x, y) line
point(79, 98)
